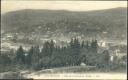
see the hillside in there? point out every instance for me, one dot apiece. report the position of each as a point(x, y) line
point(109, 23)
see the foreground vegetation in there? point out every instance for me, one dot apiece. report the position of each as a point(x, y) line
point(52, 56)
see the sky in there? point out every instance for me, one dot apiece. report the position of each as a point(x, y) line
point(7, 6)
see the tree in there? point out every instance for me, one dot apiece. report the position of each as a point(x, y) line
point(102, 60)
point(71, 43)
point(94, 46)
point(45, 62)
point(4, 59)
point(20, 55)
point(83, 44)
point(106, 57)
point(35, 56)
point(29, 56)
point(46, 49)
point(56, 62)
point(87, 45)
point(74, 51)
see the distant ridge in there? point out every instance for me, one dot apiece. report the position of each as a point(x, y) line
point(112, 21)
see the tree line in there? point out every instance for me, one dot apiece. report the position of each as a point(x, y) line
point(51, 55)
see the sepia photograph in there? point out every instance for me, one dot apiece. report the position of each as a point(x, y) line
point(63, 40)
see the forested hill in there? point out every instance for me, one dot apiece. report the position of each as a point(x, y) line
point(110, 23)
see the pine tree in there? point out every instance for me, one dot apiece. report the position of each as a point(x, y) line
point(20, 55)
point(74, 51)
point(94, 46)
point(36, 57)
point(52, 46)
point(82, 44)
point(71, 43)
point(29, 57)
point(46, 49)
point(106, 57)
point(87, 45)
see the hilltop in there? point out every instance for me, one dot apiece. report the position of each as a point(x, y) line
point(62, 24)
